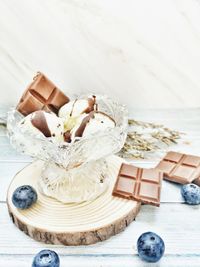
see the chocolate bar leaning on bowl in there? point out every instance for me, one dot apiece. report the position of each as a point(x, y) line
point(41, 94)
point(139, 184)
point(180, 168)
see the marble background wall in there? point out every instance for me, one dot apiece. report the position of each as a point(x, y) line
point(145, 53)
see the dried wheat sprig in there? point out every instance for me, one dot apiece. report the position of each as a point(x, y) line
point(138, 143)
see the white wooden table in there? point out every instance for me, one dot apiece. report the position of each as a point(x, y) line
point(176, 222)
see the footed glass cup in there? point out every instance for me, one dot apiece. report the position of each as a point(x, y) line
point(73, 172)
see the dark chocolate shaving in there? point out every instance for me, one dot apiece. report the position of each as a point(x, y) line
point(73, 107)
point(96, 107)
point(106, 116)
point(81, 128)
point(39, 122)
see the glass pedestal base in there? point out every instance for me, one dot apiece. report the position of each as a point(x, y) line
point(83, 183)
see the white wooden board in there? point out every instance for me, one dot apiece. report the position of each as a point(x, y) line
point(176, 222)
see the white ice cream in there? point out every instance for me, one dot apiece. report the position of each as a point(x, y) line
point(73, 108)
point(100, 122)
point(54, 129)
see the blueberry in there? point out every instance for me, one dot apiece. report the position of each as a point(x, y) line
point(46, 258)
point(191, 194)
point(150, 247)
point(24, 196)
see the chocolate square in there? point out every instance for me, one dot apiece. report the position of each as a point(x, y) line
point(148, 191)
point(128, 170)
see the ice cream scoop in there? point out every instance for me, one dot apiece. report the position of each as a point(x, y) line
point(45, 124)
point(94, 122)
point(77, 107)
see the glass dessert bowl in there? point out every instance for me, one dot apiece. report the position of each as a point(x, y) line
point(76, 171)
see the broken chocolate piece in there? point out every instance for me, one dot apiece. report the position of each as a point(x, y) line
point(138, 184)
point(41, 94)
point(180, 168)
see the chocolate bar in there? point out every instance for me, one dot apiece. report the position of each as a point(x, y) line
point(180, 168)
point(41, 94)
point(138, 184)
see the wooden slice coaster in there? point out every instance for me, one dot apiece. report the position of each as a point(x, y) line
point(85, 223)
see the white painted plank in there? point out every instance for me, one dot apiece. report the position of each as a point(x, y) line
point(178, 224)
point(7, 172)
point(104, 261)
point(9, 154)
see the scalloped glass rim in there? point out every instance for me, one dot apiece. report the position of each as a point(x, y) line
point(85, 149)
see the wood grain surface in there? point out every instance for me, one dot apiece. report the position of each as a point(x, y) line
point(86, 223)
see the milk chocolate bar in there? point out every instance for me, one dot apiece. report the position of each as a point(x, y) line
point(139, 184)
point(180, 168)
point(41, 94)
